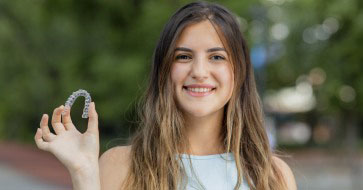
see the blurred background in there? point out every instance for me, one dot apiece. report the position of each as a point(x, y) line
point(307, 57)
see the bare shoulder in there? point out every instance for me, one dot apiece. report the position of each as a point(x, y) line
point(114, 165)
point(286, 172)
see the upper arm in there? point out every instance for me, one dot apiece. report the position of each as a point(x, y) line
point(114, 164)
point(286, 173)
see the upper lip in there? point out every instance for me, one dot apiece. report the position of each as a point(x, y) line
point(199, 86)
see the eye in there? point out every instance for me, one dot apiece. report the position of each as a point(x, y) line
point(182, 57)
point(217, 57)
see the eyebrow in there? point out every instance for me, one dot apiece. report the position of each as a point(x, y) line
point(208, 50)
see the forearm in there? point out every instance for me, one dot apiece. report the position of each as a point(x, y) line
point(86, 179)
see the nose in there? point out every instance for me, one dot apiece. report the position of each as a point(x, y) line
point(200, 69)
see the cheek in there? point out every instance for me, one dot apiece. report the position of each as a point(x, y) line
point(226, 77)
point(178, 74)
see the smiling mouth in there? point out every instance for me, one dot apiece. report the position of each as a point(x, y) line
point(198, 89)
point(199, 92)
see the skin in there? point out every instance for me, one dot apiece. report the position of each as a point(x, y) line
point(76, 151)
point(203, 117)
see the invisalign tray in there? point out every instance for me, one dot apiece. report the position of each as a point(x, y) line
point(73, 98)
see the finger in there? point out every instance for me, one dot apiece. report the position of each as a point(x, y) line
point(93, 119)
point(56, 120)
point(66, 118)
point(39, 141)
point(47, 135)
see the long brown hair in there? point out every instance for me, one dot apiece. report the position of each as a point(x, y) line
point(155, 164)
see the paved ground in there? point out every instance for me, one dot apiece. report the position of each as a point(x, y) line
point(24, 167)
point(321, 170)
point(12, 179)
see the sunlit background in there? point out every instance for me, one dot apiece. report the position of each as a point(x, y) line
point(307, 57)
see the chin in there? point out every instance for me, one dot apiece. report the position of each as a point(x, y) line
point(198, 112)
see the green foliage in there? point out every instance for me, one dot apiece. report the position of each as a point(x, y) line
point(48, 49)
point(339, 56)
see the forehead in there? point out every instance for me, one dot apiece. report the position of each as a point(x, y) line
point(199, 35)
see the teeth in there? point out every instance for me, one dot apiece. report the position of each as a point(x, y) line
point(199, 89)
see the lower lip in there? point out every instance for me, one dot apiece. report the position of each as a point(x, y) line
point(199, 94)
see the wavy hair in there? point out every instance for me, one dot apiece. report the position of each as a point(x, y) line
point(155, 164)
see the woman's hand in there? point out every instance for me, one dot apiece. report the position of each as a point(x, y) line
point(78, 152)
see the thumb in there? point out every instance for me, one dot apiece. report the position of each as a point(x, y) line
point(93, 119)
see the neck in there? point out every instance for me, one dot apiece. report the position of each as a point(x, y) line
point(204, 134)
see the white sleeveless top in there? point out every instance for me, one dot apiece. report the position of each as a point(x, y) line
point(214, 172)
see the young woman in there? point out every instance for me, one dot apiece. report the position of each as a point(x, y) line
point(201, 118)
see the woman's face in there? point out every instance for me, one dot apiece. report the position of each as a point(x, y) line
point(201, 71)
